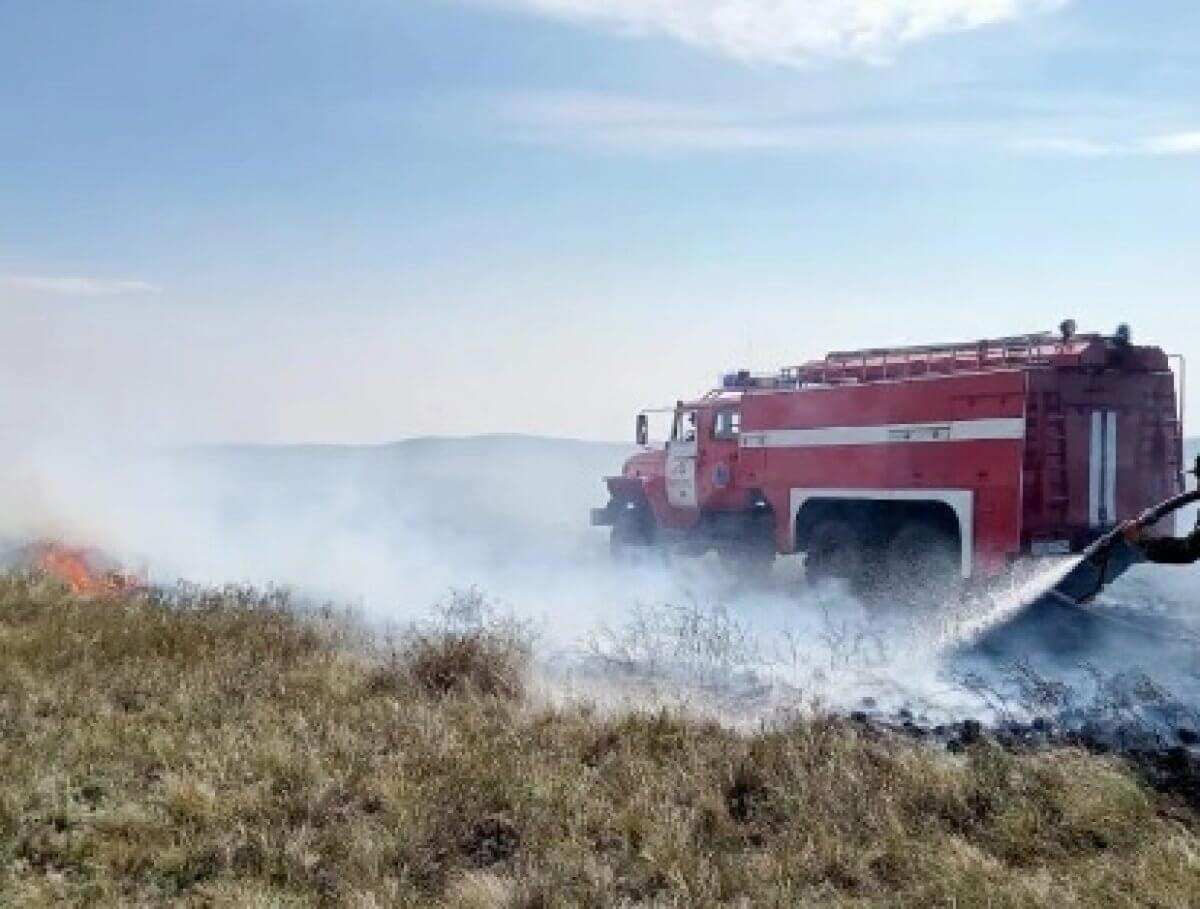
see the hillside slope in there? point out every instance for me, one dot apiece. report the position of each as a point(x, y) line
point(219, 749)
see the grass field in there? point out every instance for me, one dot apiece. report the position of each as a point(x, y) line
point(221, 749)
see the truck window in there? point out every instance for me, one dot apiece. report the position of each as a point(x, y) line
point(727, 425)
point(685, 426)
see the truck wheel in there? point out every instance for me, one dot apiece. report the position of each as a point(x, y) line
point(924, 566)
point(836, 553)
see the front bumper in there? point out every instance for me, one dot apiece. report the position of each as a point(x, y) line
point(604, 517)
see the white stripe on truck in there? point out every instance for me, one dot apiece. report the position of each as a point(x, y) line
point(888, 434)
point(1110, 467)
point(1096, 469)
point(1102, 469)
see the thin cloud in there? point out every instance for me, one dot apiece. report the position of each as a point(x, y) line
point(648, 127)
point(1173, 144)
point(633, 125)
point(1065, 148)
point(638, 126)
point(787, 32)
point(1167, 145)
point(73, 286)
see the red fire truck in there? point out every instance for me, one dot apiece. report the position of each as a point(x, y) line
point(943, 461)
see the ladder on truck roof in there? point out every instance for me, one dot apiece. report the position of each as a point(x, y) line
point(882, 363)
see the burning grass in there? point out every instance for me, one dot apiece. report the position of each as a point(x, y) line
point(83, 572)
point(222, 749)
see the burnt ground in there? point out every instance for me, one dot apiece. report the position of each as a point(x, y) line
point(1120, 677)
point(1112, 679)
point(1169, 764)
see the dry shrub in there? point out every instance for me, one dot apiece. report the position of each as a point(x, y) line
point(468, 649)
point(466, 663)
point(479, 890)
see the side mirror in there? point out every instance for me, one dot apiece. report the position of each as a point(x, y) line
point(643, 430)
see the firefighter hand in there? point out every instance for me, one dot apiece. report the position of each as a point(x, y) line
point(1132, 531)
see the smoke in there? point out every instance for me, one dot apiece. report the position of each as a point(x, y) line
point(393, 530)
point(389, 529)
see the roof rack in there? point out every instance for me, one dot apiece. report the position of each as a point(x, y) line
point(877, 364)
point(1013, 342)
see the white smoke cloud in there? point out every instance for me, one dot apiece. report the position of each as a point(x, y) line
point(788, 32)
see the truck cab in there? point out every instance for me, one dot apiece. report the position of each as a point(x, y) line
point(700, 458)
point(685, 492)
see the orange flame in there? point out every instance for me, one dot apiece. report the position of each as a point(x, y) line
point(77, 569)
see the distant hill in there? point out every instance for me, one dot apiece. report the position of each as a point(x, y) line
point(517, 481)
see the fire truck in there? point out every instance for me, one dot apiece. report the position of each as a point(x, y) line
point(943, 462)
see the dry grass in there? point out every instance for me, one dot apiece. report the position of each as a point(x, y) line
point(217, 749)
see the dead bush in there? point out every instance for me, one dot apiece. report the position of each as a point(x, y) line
point(466, 663)
point(468, 648)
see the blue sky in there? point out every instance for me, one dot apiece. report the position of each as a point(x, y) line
point(283, 220)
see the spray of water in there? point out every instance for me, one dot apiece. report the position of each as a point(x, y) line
point(1002, 600)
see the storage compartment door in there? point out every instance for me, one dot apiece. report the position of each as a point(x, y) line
point(681, 474)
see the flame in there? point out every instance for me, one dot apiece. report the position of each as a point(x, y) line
point(80, 570)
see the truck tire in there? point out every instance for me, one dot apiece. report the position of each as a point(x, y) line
point(836, 553)
point(924, 566)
